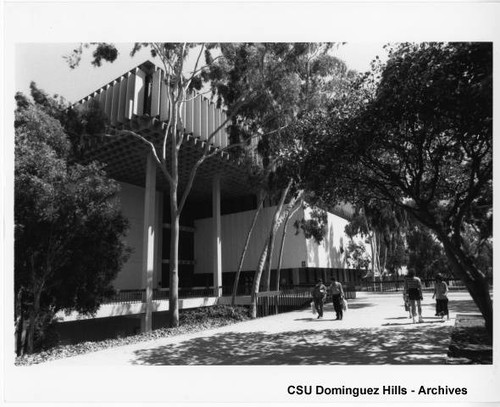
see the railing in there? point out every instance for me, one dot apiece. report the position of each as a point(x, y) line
point(398, 285)
point(268, 303)
point(349, 290)
point(276, 302)
point(193, 292)
point(143, 92)
point(125, 296)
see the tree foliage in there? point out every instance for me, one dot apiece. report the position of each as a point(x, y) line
point(180, 82)
point(384, 229)
point(417, 133)
point(426, 254)
point(68, 226)
point(285, 81)
point(315, 227)
point(356, 256)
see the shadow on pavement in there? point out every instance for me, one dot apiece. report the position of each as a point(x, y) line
point(462, 306)
point(361, 305)
point(422, 344)
point(311, 319)
point(409, 322)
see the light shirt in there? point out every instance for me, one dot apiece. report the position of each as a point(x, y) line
point(441, 290)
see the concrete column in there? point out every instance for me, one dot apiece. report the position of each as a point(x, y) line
point(216, 235)
point(148, 252)
point(158, 240)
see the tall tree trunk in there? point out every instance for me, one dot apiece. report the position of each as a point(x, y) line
point(378, 255)
point(384, 263)
point(282, 245)
point(30, 333)
point(174, 270)
point(272, 235)
point(373, 256)
point(30, 328)
point(263, 257)
point(266, 274)
point(371, 238)
point(256, 280)
point(174, 222)
point(245, 248)
point(20, 326)
point(474, 280)
point(33, 320)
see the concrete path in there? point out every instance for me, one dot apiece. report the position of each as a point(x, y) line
point(375, 330)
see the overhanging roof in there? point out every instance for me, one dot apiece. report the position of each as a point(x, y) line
point(137, 101)
point(125, 157)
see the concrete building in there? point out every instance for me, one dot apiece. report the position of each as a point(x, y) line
point(216, 217)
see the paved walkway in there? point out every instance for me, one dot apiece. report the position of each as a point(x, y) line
point(375, 330)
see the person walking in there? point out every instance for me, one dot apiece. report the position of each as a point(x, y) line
point(319, 296)
point(413, 289)
point(406, 302)
point(441, 295)
point(337, 293)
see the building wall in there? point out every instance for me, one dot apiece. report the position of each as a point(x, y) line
point(234, 232)
point(132, 204)
point(328, 254)
point(298, 251)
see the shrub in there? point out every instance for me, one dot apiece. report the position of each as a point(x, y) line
point(222, 312)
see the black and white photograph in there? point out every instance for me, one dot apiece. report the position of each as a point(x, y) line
point(248, 217)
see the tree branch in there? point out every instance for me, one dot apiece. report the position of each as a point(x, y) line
point(158, 160)
point(188, 82)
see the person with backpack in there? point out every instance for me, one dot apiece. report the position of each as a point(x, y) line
point(319, 296)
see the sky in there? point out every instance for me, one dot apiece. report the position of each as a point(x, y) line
point(44, 64)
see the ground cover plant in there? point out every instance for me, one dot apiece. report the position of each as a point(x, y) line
point(193, 320)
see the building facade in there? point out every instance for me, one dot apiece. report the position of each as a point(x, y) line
point(218, 212)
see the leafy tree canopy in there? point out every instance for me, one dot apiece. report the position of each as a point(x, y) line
point(417, 133)
point(68, 225)
point(426, 254)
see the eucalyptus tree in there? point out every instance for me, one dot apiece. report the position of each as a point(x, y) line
point(264, 87)
point(383, 227)
point(289, 79)
point(180, 82)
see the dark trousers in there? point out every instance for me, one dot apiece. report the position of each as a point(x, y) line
point(442, 307)
point(318, 304)
point(337, 305)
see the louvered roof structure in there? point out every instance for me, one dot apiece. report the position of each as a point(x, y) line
point(137, 101)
